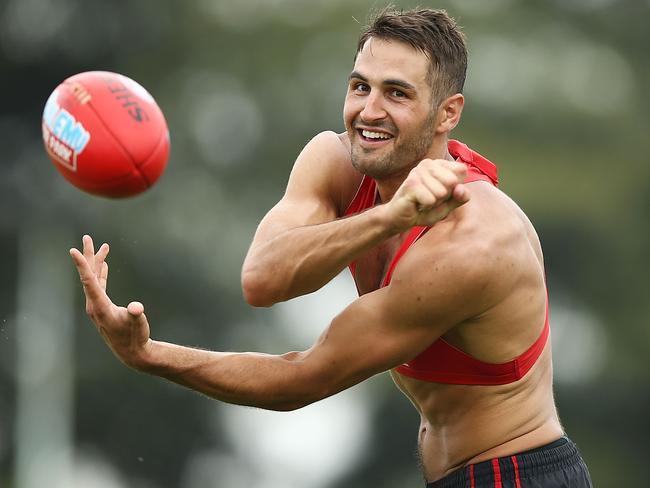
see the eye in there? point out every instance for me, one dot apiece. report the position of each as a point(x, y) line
point(397, 93)
point(360, 87)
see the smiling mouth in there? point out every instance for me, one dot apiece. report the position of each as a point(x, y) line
point(374, 136)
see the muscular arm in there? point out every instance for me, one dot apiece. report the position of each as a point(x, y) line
point(300, 245)
point(302, 259)
point(375, 333)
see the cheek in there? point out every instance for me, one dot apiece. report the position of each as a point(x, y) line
point(349, 112)
point(410, 120)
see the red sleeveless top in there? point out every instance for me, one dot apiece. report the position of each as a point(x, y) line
point(442, 362)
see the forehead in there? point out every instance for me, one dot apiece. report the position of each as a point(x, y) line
point(386, 59)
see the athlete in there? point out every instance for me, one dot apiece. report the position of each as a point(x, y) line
point(449, 270)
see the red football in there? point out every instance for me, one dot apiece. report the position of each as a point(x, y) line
point(105, 134)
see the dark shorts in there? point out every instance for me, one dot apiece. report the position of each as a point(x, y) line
point(555, 465)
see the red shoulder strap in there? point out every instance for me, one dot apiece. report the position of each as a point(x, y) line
point(414, 234)
point(364, 197)
point(479, 168)
point(474, 160)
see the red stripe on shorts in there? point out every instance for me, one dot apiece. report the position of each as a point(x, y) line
point(516, 466)
point(497, 473)
point(471, 476)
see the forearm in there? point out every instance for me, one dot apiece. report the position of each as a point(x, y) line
point(253, 379)
point(303, 259)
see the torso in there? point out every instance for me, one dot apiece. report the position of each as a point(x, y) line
point(462, 424)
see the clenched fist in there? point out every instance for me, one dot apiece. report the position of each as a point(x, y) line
point(428, 194)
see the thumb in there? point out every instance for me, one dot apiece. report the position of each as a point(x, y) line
point(138, 319)
point(460, 194)
point(135, 309)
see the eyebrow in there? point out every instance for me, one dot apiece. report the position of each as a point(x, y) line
point(390, 81)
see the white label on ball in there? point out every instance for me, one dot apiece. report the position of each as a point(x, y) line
point(64, 137)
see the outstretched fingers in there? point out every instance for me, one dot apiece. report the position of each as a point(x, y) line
point(88, 250)
point(125, 330)
point(100, 261)
point(103, 276)
point(86, 275)
point(94, 290)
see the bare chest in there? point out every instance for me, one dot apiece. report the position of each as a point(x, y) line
point(371, 267)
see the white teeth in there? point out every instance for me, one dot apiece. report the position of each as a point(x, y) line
point(375, 135)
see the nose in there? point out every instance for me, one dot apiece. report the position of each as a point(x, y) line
point(373, 108)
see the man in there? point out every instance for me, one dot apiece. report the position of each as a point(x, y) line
point(452, 292)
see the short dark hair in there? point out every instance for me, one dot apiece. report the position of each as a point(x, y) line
point(432, 32)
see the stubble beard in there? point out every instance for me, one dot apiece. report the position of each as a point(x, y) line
point(404, 156)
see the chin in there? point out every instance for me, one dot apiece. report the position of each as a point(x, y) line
point(376, 167)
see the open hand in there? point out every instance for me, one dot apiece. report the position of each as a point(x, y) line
point(125, 330)
point(429, 193)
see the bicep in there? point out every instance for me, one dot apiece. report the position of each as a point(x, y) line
point(394, 324)
point(290, 213)
point(374, 334)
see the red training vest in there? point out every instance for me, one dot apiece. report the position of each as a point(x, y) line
point(442, 362)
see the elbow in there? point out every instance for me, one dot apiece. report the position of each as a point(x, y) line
point(298, 402)
point(288, 406)
point(257, 289)
point(309, 383)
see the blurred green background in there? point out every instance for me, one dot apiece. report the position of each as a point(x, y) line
point(556, 97)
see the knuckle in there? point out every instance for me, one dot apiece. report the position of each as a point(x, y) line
point(444, 174)
point(449, 179)
point(411, 182)
point(428, 199)
point(95, 313)
point(460, 168)
point(432, 165)
point(441, 194)
point(85, 279)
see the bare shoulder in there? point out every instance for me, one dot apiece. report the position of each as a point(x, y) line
point(331, 144)
point(481, 250)
point(324, 167)
point(504, 225)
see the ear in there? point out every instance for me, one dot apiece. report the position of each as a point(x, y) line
point(449, 112)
